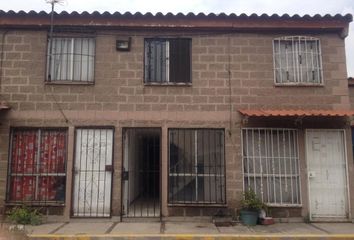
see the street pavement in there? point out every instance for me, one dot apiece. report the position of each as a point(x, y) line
point(182, 230)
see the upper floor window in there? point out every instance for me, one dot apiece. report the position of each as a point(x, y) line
point(297, 60)
point(71, 59)
point(167, 60)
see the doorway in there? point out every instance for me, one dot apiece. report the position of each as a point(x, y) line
point(327, 174)
point(92, 172)
point(141, 172)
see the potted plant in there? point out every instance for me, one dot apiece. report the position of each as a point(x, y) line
point(250, 208)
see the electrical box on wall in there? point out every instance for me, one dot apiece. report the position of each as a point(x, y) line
point(123, 44)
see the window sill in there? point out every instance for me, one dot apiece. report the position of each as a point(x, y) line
point(299, 84)
point(168, 84)
point(68, 83)
point(284, 205)
point(196, 205)
point(34, 204)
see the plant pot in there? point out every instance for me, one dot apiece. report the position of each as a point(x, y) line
point(249, 217)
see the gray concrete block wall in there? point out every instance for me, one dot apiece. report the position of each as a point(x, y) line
point(119, 97)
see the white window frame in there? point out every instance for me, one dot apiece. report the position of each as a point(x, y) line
point(295, 184)
point(70, 63)
point(297, 65)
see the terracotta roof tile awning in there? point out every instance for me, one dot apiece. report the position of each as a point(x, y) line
point(297, 113)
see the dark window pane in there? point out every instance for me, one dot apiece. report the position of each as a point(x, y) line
point(180, 60)
point(167, 60)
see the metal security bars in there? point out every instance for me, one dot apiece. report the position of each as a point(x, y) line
point(37, 166)
point(196, 166)
point(271, 165)
point(141, 172)
point(297, 60)
point(71, 59)
point(93, 172)
point(167, 60)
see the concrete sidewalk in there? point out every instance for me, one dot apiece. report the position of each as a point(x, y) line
point(188, 230)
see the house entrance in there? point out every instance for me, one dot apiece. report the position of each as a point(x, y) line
point(141, 172)
point(327, 174)
point(92, 172)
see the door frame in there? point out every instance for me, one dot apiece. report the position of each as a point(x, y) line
point(124, 129)
point(343, 130)
point(94, 127)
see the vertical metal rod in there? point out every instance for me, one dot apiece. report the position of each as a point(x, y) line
point(37, 164)
point(299, 55)
point(51, 40)
point(99, 172)
point(254, 164)
point(221, 165)
point(72, 59)
point(86, 160)
point(297, 170)
point(279, 165)
point(280, 61)
point(167, 61)
point(207, 151)
point(105, 173)
point(23, 146)
point(284, 160)
point(273, 165)
point(307, 63)
point(154, 174)
point(260, 163)
point(215, 165)
point(266, 143)
point(81, 54)
point(196, 163)
point(248, 161)
point(291, 157)
point(147, 169)
point(49, 160)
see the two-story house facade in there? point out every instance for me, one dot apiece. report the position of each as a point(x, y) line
point(141, 115)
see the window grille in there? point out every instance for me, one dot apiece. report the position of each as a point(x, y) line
point(196, 166)
point(37, 166)
point(71, 59)
point(271, 165)
point(167, 61)
point(297, 60)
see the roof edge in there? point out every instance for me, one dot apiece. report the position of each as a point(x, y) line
point(346, 17)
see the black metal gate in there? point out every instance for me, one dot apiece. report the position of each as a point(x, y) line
point(141, 172)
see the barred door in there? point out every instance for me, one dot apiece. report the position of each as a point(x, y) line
point(141, 172)
point(93, 172)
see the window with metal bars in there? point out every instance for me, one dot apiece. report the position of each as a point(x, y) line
point(168, 60)
point(297, 60)
point(71, 59)
point(271, 165)
point(196, 166)
point(37, 166)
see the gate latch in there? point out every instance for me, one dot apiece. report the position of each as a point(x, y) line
point(125, 175)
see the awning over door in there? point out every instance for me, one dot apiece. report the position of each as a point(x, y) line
point(296, 113)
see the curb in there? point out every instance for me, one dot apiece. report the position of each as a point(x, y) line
point(192, 236)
